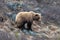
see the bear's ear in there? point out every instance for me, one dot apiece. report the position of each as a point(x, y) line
point(36, 14)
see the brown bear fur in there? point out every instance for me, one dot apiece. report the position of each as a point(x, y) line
point(26, 17)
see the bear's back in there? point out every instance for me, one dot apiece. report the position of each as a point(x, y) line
point(24, 15)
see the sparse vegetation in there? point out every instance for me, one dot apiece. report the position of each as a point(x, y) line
point(49, 29)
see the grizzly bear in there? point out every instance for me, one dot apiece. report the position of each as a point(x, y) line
point(26, 17)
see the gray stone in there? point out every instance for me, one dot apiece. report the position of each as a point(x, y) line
point(6, 36)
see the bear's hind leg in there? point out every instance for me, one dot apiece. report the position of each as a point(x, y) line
point(23, 26)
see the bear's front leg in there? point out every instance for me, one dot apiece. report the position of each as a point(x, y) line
point(29, 24)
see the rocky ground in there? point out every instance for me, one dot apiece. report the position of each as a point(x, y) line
point(49, 29)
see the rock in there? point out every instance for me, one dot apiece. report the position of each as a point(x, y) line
point(6, 36)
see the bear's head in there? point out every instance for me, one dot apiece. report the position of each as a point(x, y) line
point(37, 17)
